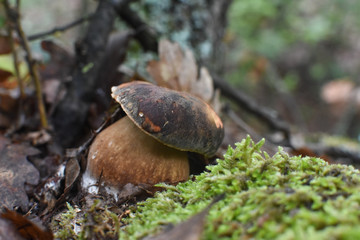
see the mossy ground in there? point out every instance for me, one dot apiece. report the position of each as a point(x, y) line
point(267, 197)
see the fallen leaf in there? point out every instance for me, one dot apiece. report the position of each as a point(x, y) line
point(4, 75)
point(8, 102)
point(26, 228)
point(8, 231)
point(61, 61)
point(7, 64)
point(171, 54)
point(39, 137)
point(15, 171)
point(188, 72)
point(72, 171)
point(203, 88)
point(163, 74)
point(5, 47)
point(177, 69)
point(305, 151)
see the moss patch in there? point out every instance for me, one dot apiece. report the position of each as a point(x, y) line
point(278, 197)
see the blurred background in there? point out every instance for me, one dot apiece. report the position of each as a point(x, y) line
point(300, 58)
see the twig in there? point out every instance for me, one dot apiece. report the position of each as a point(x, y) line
point(343, 153)
point(70, 114)
point(269, 116)
point(20, 116)
point(16, 62)
point(15, 56)
point(289, 101)
point(144, 33)
point(243, 125)
point(60, 29)
point(13, 17)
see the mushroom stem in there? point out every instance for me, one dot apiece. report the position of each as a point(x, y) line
point(122, 153)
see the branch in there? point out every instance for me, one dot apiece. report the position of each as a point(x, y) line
point(71, 113)
point(13, 17)
point(268, 115)
point(60, 29)
point(146, 36)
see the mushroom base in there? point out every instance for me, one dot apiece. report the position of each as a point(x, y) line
point(122, 153)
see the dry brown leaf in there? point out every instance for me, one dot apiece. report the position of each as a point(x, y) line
point(8, 231)
point(72, 171)
point(171, 54)
point(177, 69)
point(188, 72)
point(61, 61)
point(26, 228)
point(5, 47)
point(38, 137)
point(8, 102)
point(15, 171)
point(163, 74)
point(4, 75)
point(203, 88)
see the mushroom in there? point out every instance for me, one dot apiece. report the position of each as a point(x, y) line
point(150, 144)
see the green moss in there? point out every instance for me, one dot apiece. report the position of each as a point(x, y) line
point(95, 221)
point(278, 197)
point(64, 225)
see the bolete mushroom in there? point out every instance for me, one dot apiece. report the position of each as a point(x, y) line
point(149, 145)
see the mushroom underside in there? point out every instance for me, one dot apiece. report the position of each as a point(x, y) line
point(122, 153)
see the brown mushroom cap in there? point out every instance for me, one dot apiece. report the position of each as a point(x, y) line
point(123, 154)
point(176, 119)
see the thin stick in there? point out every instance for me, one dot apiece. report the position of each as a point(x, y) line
point(16, 62)
point(268, 115)
point(60, 29)
point(20, 116)
point(13, 17)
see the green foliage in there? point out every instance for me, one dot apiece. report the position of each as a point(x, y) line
point(273, 29)
point(253, 22)
point(268, 27)
point(278, 197)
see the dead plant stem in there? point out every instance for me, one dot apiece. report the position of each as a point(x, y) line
point(13, 17)
point(16, 62)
